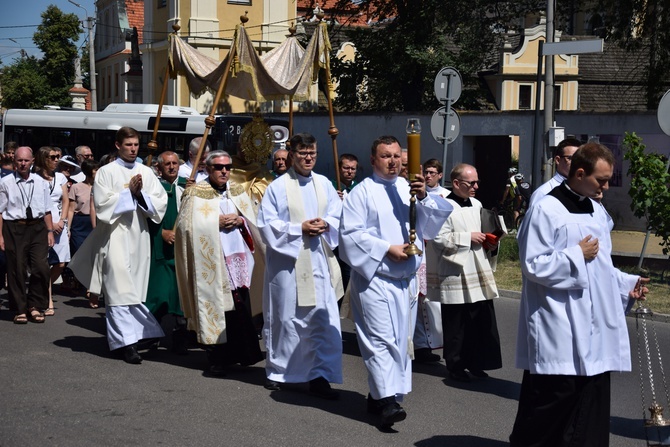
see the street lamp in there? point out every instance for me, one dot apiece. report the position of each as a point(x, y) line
point(91, 56)
point(23, 52)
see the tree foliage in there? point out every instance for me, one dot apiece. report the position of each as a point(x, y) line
point(33, 83)
point(24, 85)
point(640, 26)
point(396, 61)
point(650, 198)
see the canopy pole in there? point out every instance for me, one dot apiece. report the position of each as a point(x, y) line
point(332, 131)
point(211, 120)
point(153, 143)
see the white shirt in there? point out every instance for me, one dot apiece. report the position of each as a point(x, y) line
point(17, 194)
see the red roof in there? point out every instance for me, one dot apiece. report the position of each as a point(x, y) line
point(306, 9)
point(135, 11)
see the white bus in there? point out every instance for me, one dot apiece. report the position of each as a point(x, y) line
point(70, 128)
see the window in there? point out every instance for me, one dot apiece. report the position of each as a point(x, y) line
point(525, 96)
point(557, 97)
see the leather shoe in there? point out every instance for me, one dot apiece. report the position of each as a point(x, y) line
point(392, 413)
point(423, 355)
point(130, 355)
point(217, 371)
point(459, 375)
point(478, 373)
point(271, 385)
point(320, 387)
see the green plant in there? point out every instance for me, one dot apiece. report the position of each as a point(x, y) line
point(650, 198)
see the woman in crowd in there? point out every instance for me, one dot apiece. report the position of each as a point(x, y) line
point(79, 214)
point(45, 165)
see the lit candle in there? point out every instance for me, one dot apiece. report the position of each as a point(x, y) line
point(413, 147)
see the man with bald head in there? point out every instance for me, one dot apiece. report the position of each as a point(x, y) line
point(26, 234)
point(186, 168)
point(459, 275)
point(162, 293)
point(279, 162)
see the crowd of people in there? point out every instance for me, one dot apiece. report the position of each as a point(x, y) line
point(209, 241)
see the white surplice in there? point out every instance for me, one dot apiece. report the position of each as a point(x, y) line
point(302, 342)
point(457, 272)
point(115, 258)
point(544, 188)
point(572, 312)
point(384, 293)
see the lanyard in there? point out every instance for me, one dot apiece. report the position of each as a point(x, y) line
point(24, 194)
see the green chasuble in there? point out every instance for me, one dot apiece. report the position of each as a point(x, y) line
point(163, 295)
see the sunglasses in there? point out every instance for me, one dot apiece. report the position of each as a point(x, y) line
point(54, 157)
point(221, 167)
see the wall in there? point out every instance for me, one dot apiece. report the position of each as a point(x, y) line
point(357, 131)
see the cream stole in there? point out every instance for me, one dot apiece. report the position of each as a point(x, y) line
point(202, 277)
point(303, 267)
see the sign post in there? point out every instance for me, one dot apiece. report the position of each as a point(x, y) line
point(445, 125)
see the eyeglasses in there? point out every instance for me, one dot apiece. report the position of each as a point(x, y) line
point(430, 173)
point(86, 155)
point(567, 157)
point(303, 154)
point(471, 184)
point(54, 157)
point(221, 167)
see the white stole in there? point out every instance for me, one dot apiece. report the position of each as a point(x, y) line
point(303, 266)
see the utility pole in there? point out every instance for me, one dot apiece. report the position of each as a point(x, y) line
point(548, 93)
point(91, 56)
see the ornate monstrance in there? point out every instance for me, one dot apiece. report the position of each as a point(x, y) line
point(256, 141)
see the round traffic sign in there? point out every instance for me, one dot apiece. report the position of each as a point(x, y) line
point(441, 119)
point(448, 85)
point(663, 113)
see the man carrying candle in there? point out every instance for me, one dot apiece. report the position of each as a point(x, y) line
point(374, 231)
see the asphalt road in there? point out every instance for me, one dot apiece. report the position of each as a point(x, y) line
point(60, 386)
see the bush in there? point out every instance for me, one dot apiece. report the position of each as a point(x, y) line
point(509, 249)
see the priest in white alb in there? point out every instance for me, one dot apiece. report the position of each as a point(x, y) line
point(384, 289)
point(299, 220)
point(115, 258)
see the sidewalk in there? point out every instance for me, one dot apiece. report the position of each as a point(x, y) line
point(629, 243)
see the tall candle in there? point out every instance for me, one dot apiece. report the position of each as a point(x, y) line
point(413, 154)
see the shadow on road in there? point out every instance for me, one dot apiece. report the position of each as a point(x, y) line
point(494, 386)
point(459, 441)
point(634, 429)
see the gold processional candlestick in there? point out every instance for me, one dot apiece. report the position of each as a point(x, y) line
point(414, 167)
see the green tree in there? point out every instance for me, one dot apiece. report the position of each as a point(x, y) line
point(638, 26)
point(24, 85)
point(55, 36)
point(33, 83)
point(397, 60)
point(650, 198)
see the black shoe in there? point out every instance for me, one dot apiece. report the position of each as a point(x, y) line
point(376, 406)
point(130, 355)
point(320, 387)
point(392, 413)
point(272, 385)
point(217, 371)
point(478, 373)
point(424, 355)
point(460, 375)
point(179, 342)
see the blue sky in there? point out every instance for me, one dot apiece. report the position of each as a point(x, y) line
point(19, 20)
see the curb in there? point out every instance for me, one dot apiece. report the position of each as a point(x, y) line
point(662, 318)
